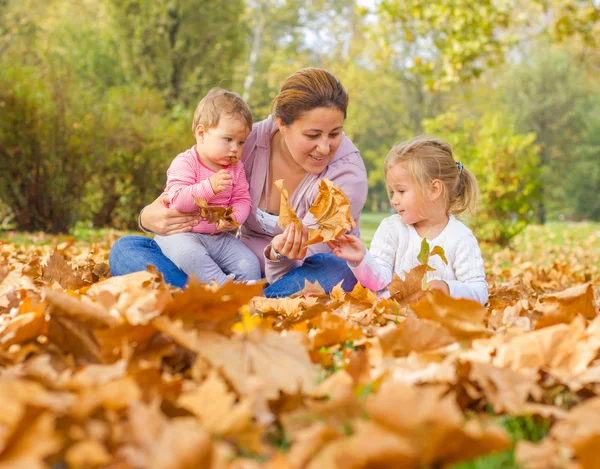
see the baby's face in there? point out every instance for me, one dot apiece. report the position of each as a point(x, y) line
point(222, 145)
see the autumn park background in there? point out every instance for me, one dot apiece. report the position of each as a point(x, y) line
point(96, 98)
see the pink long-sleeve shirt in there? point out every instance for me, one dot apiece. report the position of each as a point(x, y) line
point(188, 176)
point(346, 169)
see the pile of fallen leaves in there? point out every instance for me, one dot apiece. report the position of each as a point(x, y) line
point(129, 373)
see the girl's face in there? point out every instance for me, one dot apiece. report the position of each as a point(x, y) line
point(222, 145)
point(313, 139)
point(405, 194)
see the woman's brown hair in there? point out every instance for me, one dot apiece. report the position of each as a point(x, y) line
point(308, 89)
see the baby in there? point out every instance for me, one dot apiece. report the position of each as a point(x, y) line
point(210, 171)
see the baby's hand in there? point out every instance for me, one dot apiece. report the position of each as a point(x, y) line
point(223, 225)
point(438, 285)
point(348, 247)
point(220, 181)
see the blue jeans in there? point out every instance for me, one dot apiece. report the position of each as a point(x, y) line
point(132, 254)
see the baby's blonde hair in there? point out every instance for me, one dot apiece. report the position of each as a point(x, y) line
point(427, 159)
point(218, 102)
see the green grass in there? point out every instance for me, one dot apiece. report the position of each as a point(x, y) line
point(530, 428)
point(81, 233)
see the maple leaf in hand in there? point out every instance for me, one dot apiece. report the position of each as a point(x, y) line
point(331, 208)
point(287, 214)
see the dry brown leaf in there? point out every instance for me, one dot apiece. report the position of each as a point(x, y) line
point(331, 210)
point(36, 440)
point(287, 214)
point(563, 307)
point(580, 430)
point(331, 329)
point(283, 306)
point(309, 441)
point(115, 395)
point(435, 428)
point(506, 390)
point(215, 214)
point(279, 363)
point(59, 270)
point(413, 335)
point(210, 303)
point(22, 328)
point(563, 349)
point(216, 407)
point(87, 454)
point(462, 317)
point(546, 454)
point(80, 307)
point(410, 290)
point(370, 446)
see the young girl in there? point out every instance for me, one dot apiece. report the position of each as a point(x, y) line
point(427, 188)
point(210, 171)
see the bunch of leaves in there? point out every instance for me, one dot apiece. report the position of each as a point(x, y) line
point(331, 211)
point(506, 165)
point(412, 287)
point(127, 371)
point(215, 214)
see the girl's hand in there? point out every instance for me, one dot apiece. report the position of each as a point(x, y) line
point(291, 242)
point(220, 181)
point(438, 285)
point(348, 247)
point(162, 220)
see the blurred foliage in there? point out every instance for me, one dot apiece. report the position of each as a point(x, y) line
point(505, 164)
point(96, 96)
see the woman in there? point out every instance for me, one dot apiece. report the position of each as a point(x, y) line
point(301, 143)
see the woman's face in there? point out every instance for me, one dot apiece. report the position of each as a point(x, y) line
point(314, 137)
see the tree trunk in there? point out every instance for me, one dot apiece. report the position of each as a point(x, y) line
point(254, 55)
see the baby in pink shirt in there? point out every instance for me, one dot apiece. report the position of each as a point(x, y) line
point(211, 171)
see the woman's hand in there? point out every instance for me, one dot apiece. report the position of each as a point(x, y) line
point(438, 285)
point(162, 220)
point(291, 243)
point(348, 247)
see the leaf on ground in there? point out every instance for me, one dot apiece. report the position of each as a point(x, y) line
point(87, 454)
point(435, 428)
point(59, 270)
point(216, 407)
point(204, 302)
point(37, 439)
point(546, 454)
point(580, 431)
point(413, 335)
point(279, 363)
point(507, 390)
point(562, 307)
point(331, 329)
point(80, 307)
point(462, 317)
point(410, 290)
point(563, 349)
point(22, 328)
